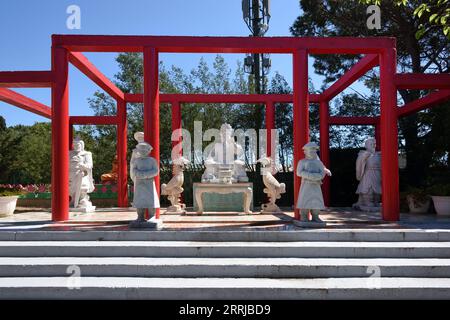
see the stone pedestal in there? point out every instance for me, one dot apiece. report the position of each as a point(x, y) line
point(309, 224)
point(223, 197)
point(152, 223)
point(88, 209)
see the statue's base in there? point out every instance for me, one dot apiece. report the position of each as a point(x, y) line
point(366, 208)
point(222, 197)
point(152, 224)
point(309, 224)
point(89, 209)
point(270, 208)
point(176, 209)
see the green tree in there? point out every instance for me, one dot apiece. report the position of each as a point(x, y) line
point(2, 124)
point(430, 16)
point(283, 121)
point(26, 157)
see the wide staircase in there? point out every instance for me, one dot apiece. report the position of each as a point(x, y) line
point(310, 264)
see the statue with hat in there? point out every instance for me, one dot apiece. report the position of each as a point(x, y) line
point(81, 181)
point(143, 170)
point(310, 198)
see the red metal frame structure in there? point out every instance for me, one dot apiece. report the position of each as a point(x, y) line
point(68, 49)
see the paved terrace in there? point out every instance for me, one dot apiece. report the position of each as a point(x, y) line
point(118, 218)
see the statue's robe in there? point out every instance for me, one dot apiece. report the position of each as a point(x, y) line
point(368, 172)
point(312, 171)
point(80, 178)
point(144, 170)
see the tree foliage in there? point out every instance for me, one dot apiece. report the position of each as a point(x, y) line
point(430, 16)
point(25, 156)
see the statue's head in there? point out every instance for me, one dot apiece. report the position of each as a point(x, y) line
point(226, 131)
point(265, 161)
point(143, 148)
point(310, 149)
point(139, 136)
point(181, 162)
point(78, 144)
point(371, 145)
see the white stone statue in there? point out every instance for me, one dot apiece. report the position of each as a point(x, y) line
point(273, 188)
point(239, 173)
point(139, 137)
point(368, 173)
point(221, 165)
point(81, 181)
point(211, 171)
point(310, 198)
point(143, 171)
point(174, 187)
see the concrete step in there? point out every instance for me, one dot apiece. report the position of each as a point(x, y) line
point(223, 288)
point(224, 267)
point(316, 249)
point(389, 235)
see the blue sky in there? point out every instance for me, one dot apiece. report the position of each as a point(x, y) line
point(26, 28)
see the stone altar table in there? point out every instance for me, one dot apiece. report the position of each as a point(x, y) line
point(246, 188)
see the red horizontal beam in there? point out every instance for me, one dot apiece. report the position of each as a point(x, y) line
point(91, 71)
point(188, 44)
point(219, 98)
point(353, 74)
point(26, 79)
point(93, 120)
point(20, 101)
point(422, 80)
point(426, 102)
point(353, 121)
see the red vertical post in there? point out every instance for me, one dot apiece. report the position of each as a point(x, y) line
point(389, 136)
point(151, 107)
point(300, 114)
point(324, 115)
point(176, 122)
point(60, 135)
point(122, 180)
point(270, 124)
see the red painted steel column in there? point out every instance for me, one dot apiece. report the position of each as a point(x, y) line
point(270, 124)
point(389, 136)
point(122, 180)
point(324, 115)
point(60, 135)
point(176, 123)
point(300, 114)
point(151, 106)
